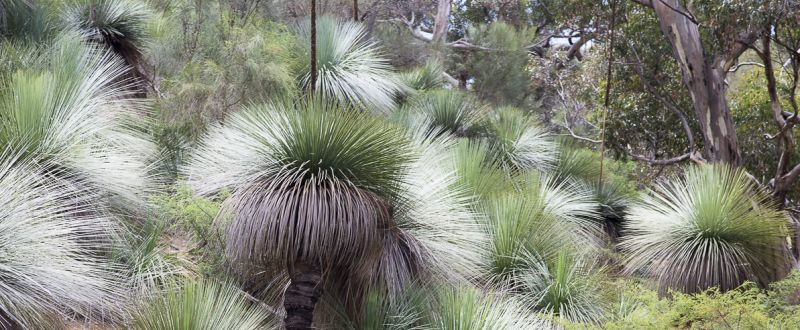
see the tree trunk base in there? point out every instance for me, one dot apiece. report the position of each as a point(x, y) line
point(301, 297)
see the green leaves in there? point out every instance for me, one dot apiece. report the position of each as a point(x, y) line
point(52, 242)
point(313, 176)
point(452, 111)
point(713, 227)
point(203, 305)
point(118, 23)
point(350, 67)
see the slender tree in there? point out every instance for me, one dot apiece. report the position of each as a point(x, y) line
point(312, 86)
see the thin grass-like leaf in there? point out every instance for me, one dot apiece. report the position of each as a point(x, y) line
point(203, 305)
point(712, 227)
point(350, 67)
point(51, 243)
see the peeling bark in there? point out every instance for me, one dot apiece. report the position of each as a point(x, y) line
point(442, 21)
point(705, 81)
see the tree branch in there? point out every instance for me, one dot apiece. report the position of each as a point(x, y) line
point(693, 156)
point(638, 68)
point(739, 65)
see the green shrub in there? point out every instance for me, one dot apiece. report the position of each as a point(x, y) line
point(184, 209)
point(746, 307)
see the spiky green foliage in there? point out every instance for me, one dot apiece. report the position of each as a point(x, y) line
point(436, 233)
point(427, 77)
point(567, 287)
point(203, 305)
point(309, 180)
point(350, 67)
point(380, 311)
point(468, 308)
point(66, 112)
point(711, 228)
point(478, 170)
point(613, 202)
point(577, 164)
point(148, 265)
point(453, 111)
point(25, 21)
point(118, 24)
point(276, 157)
point(51, 243)
point(15, 56)
point(544, 219)
point(519, 141)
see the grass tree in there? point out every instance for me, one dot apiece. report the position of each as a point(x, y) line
point(118, 25)
point(337, 199)
point(349, 66)
point(468, 308)
point(448, 111)
point(567, 286)
point(202, 305)
point(712, 227)
point(479, 171)
point(542, 219)
point(51, 247)
point(518, 140)
point(66, 111)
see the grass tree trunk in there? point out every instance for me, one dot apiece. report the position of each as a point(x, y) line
point(301, 296)
point(705, 80)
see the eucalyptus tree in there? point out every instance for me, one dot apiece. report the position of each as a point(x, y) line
point(349, 65)
point(713, 227)
point(338, 200)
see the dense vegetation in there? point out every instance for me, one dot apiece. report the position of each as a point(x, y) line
point(425, 164)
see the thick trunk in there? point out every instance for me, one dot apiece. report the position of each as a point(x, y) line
point(705, 80)
point(301, 296)
point(442, 21)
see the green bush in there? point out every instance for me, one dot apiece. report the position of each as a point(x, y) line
point(746, 307)
point(185, 213)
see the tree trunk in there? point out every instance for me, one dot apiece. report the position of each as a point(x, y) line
point(355, 10)
point(705, 81)
point(442, 21)
point(313, 81)
point(301, 296)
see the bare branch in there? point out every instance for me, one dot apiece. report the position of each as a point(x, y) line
point(638, 68)
point(646, 3)
point(693, 156)
point(739, 65)
point(686, 14)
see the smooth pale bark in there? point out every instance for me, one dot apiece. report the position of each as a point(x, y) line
point(301, 296)
point(705, 81)
point(442, 21)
